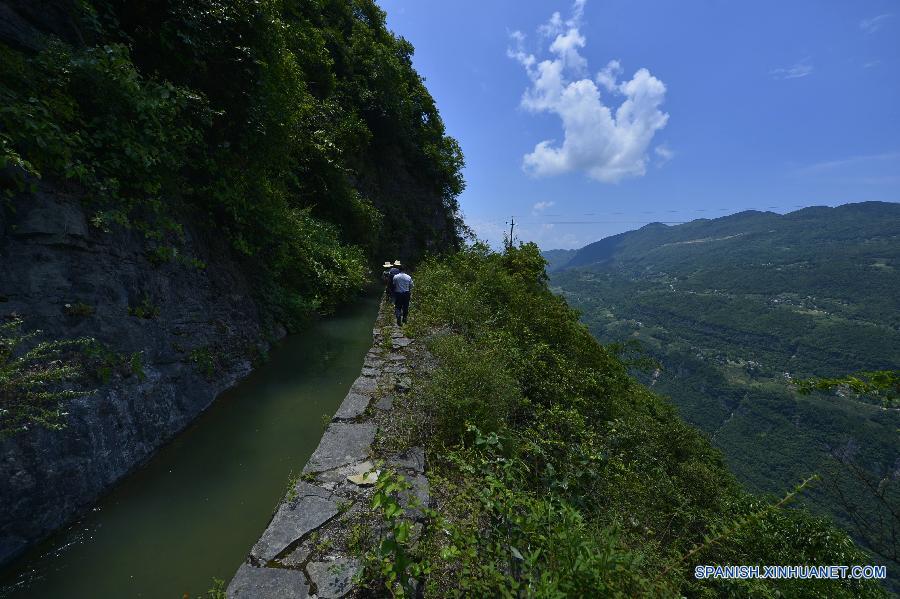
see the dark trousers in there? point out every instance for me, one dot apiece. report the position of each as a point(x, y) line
point(401, 306)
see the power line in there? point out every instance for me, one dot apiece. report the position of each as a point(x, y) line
point(601, 222)
point(574, 217)
point(575, 220)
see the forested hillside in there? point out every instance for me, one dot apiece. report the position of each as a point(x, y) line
point(734, 309)
point(556, 474)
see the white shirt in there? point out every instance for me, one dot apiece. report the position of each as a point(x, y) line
point(402, 283)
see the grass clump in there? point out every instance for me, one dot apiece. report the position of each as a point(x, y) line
point(145, 309)
point(204, 360)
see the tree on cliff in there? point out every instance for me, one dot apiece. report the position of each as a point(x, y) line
point(299, 130)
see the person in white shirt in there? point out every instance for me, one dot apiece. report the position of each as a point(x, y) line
point(402, 284)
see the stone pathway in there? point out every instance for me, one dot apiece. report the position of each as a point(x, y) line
point(307, 550)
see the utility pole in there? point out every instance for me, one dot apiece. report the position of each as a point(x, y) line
point(512, 224)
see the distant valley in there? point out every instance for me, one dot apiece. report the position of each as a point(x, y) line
point(734, 308)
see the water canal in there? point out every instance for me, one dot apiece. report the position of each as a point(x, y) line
point(193, 512)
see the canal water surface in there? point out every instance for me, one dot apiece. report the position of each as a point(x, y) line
point(193, 512)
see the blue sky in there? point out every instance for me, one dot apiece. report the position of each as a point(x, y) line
point(659, 111)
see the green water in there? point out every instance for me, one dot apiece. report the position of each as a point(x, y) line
point(195, 510)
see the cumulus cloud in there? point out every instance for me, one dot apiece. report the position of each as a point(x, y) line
point(873, 24)
point(541, 206)
point(608, 145)
point(796, 71)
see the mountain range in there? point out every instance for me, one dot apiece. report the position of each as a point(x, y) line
point(733, 310)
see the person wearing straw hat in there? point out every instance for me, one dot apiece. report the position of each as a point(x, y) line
point(402, 284)
point(395, 268)
point(386, 279)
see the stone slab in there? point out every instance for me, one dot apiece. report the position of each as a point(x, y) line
point(353, 406)
point(295, 558)
point(312, 508)
point(412, 459)
point(403, 384)
point(385, 403)
point(338, 475)
point(342, 443)
point(333, 579)
point(395, 368)
point(364, 384)
point(267, 583)
point(397, 343)
point(373, 363)
point(420, 490)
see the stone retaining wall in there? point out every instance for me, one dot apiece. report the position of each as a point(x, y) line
point(307, 550)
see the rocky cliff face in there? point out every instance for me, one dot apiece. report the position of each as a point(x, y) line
point(49, 257)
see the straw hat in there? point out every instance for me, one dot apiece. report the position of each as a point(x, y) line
point(396, 263)
point(386, 265)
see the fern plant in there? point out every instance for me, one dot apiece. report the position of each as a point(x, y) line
point(37, 381)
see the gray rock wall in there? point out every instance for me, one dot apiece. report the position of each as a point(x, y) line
point(49, 257)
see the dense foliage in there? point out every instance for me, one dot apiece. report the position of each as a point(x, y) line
point(735, 309)
point(558, 474)
point(297, 129)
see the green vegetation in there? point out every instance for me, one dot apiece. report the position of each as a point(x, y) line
point(393, 561)
point(558, 474)
point(297, 130)
point(102, 363)
point(737, 309)
point(882, 386)
point(203, 359)
point(37, 378)
point(217, 591)
point(145, 309)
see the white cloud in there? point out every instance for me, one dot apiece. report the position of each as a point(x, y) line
point(608, 76)
point(663, 154)
point(864, 161)
point(796, 71)
point(541, 206)
point(608, 145)
point(873, 24)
